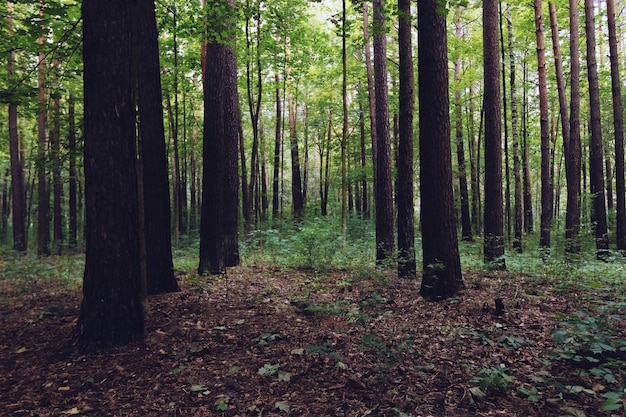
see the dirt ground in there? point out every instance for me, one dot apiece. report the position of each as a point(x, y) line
point(263, 341)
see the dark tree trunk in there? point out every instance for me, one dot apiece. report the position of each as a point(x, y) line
point(441, 276)
point(618, 128)
point(296, 179)
point(371, 95)
point(596, 171)
point(364, 207)
point(404, 190)
point(383, 189)
point(493, 227)
point(220, 186)
point(153, 155)
point(111, 309)
point(546, 178)
point(73, 180)
point(528, 202)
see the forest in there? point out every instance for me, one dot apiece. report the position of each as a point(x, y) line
point(312, 208)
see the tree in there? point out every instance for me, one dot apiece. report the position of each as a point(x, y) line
point(159, 267)
point(220, 186)
point(596, 172)
point(18, 190)
point(43, 192)
point(111, 309)
point(572, 149)
point(404, 184)
point(618, 128)
point(546, 178)
point(493, 227)
point(382, 188)
point(441, 273)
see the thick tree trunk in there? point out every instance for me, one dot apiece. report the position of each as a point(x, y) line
point(404, 190)
point(277, 152)
point(383, 189)
point(111, 309)
point(618, 129)
point(596, 171)
point(371, 95)
point(441, 276)
point(493, 227)
point(296, 179)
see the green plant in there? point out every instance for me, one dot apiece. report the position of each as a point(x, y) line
point(493, 381)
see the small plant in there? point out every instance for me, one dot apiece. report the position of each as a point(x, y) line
point(492, 381)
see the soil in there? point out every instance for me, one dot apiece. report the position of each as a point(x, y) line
point(265, 341)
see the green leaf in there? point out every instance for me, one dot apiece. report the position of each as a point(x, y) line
point(284, 376)
point(299, 351)
point(612, 404)
point(178, 369)
point(282, 406)
point(477, 393)
point(198, 387)
point(268, 369)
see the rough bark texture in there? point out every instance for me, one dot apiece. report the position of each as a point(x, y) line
point(404, 183)
point(596, 171)
point(111, 310)
point(152, 152)
point(618, 128)
point(546, 179)
point(383, 188)
point(220, 197)
point(441, 276)
point(493, 227)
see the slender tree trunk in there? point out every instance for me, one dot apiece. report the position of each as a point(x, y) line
point(404, 190)
point(546, 181)
point(344, 125)
point(371, 95)
point(505, 124)
point(57, 184)
point(493, 227)
point(277, 153)
point(596, 174)
point(43, 194)
point(73, 174)
point(383, 189)
point(364, 195)
point(296, 178)
point(441, 273)
point(159, 266)
point(466, 223)
point(527, 185)
point(618, 128)
point(18, 190)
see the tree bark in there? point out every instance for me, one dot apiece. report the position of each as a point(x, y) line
point(153, 154)
point(441, 273)
point(383, 189)
point(296, 179)
point(111, 309)
point(493, 227)
point(618, 129)
point(73, 177)
point(43, 193)
point(277, 151)
point(57, 184)
point(371, 95)
point(596, 171)
point(546, 180)
point(404, 190)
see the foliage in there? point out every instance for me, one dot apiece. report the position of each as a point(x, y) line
point(493, 381)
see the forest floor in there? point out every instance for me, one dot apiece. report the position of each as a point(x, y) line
point(267, 341)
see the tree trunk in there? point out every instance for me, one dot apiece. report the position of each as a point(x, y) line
point(153, 155)
point(596, 174)
point(57, 184)
point(517, 206)
point(383, 189)
point(493, 227)
point(344, 126)
point(404, 190)
point(73, 177)
point(546, 180)
point(111, 309)
point(371, 95)
point(296, 178)
point(466, 222)
point(441, 276)
point(618, 128)
point(364, 207)
point(527, 185)
point(277, 152)
point(505, 124)
point(43, 193)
